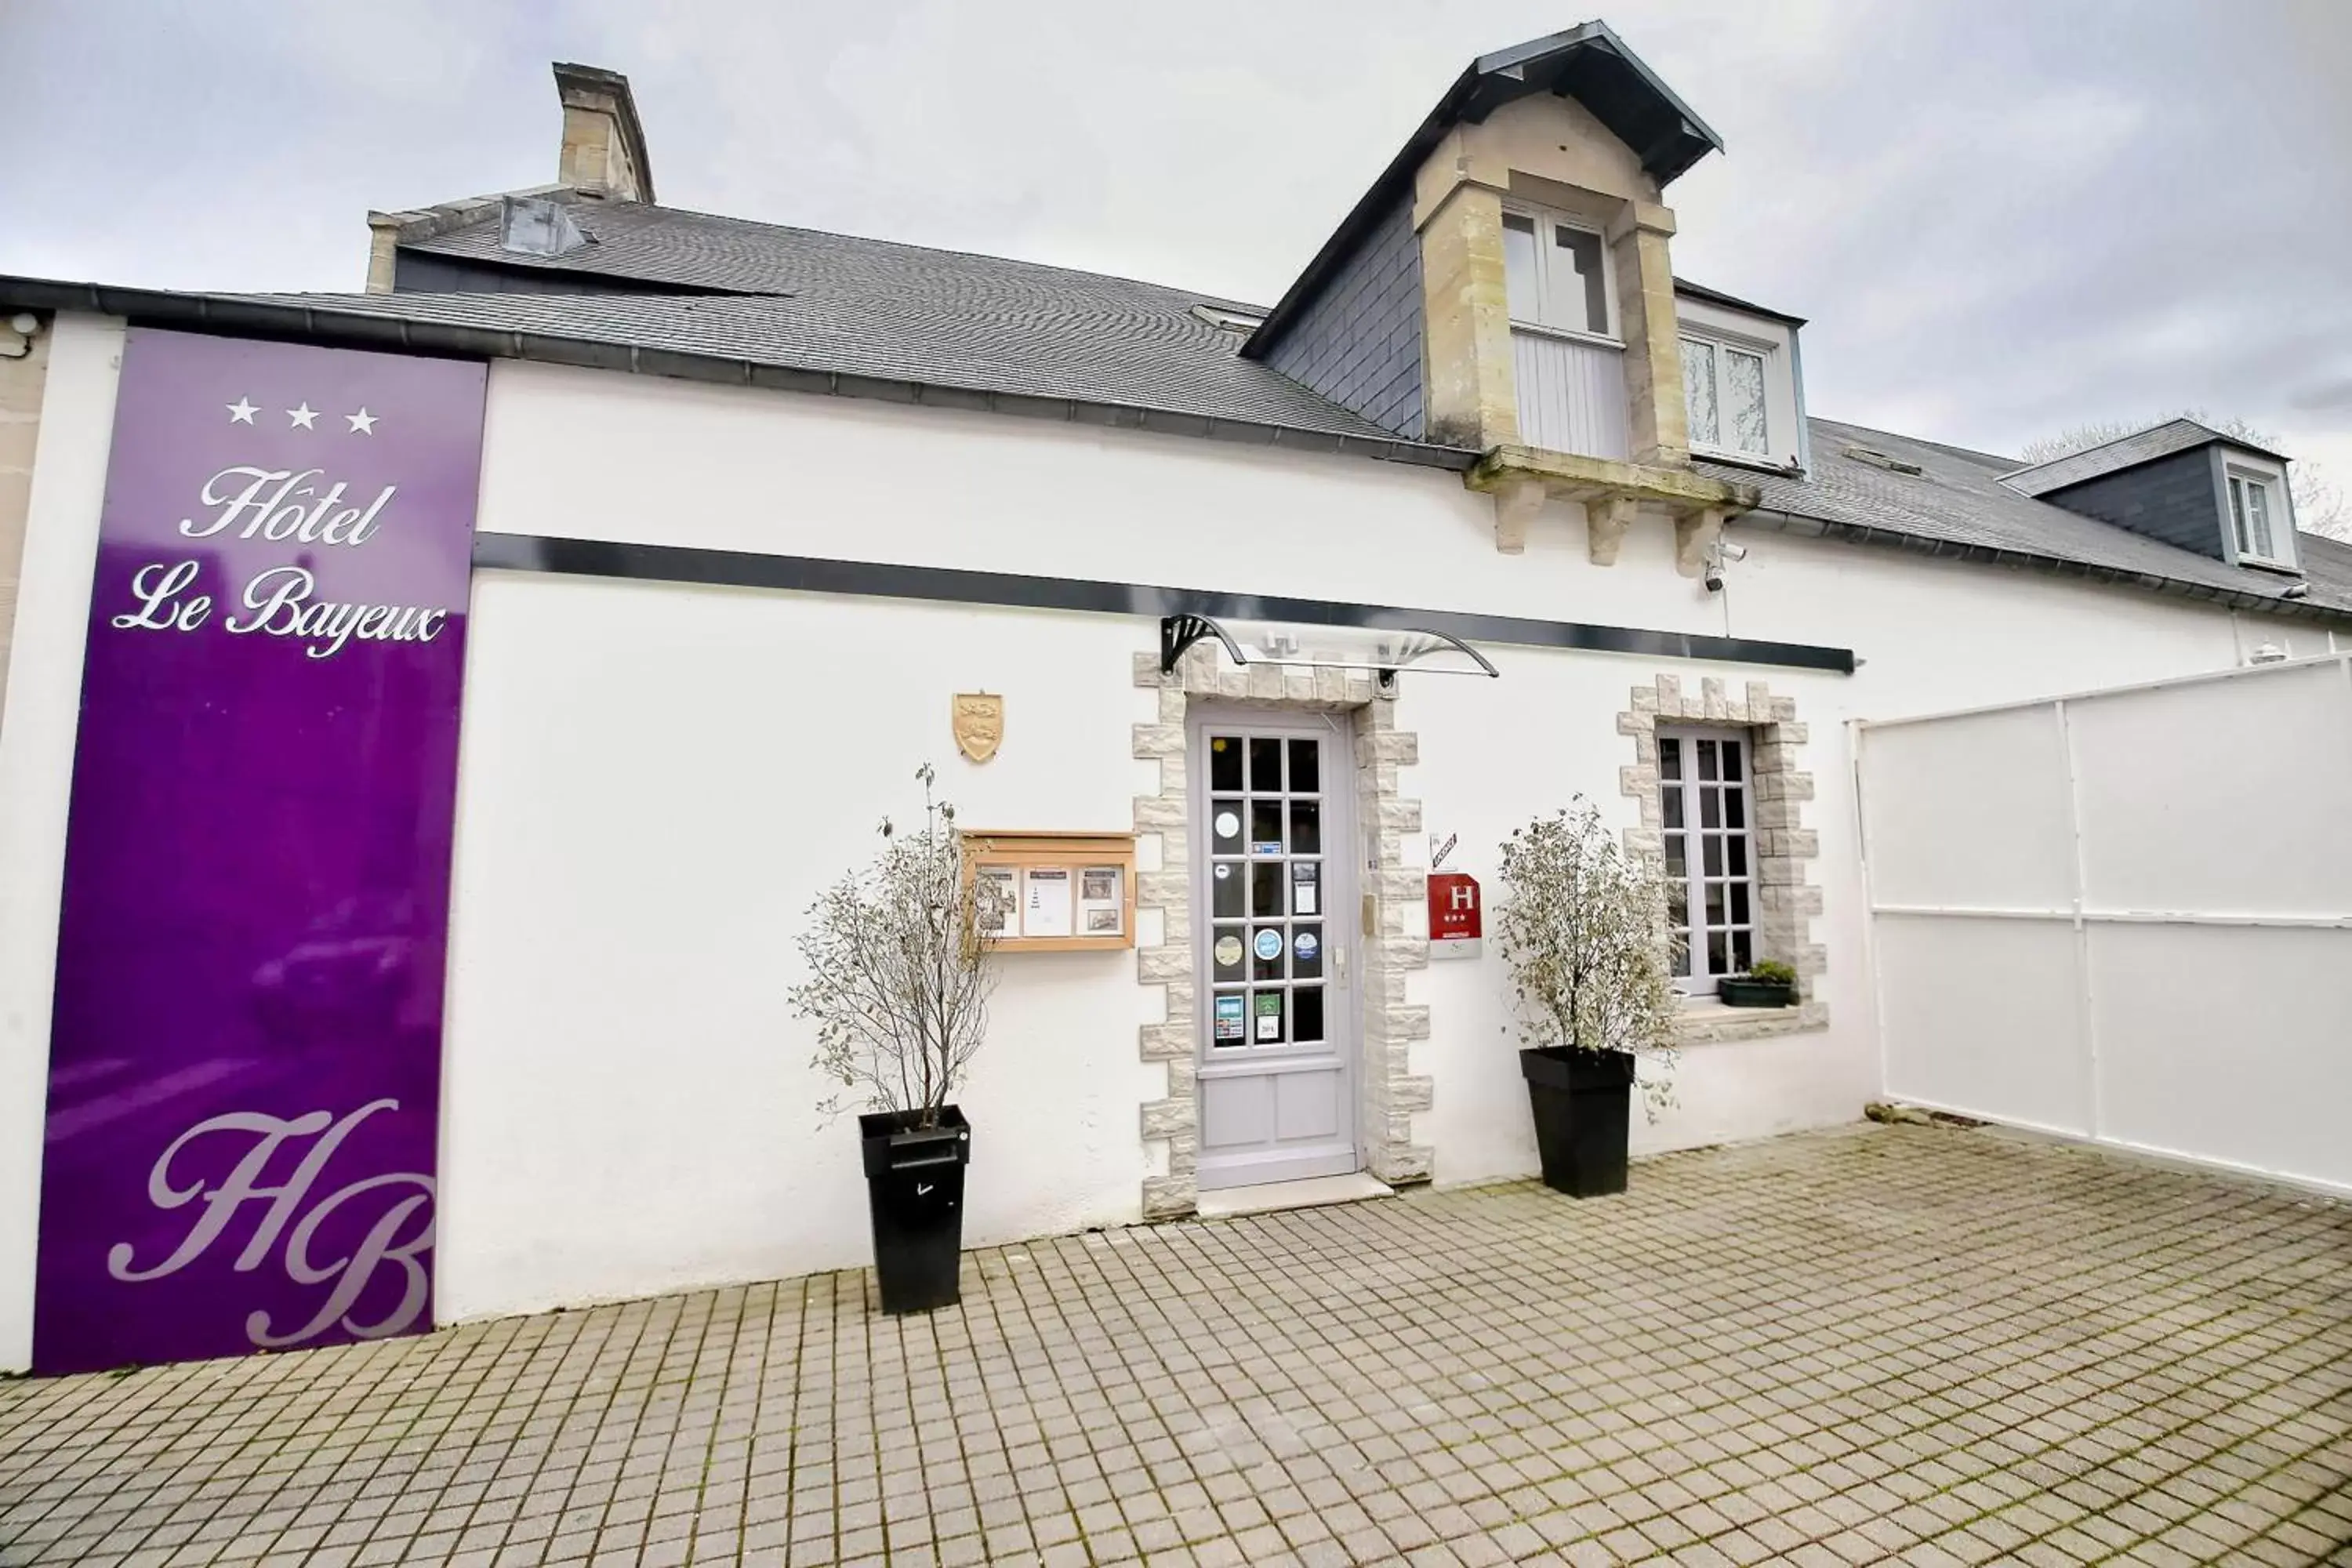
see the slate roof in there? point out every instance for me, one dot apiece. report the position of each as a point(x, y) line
point(871, 307)
point(2124, 452)
point(1958, 501)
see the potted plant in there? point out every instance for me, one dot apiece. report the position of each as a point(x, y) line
point(1765, 985)
point(899, 958)
point(1581, 926)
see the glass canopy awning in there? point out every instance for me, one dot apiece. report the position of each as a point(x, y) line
point(1383, 650)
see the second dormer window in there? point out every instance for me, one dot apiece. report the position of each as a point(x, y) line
point(1723, 393)
point(2250, 512)
point(1556, 275)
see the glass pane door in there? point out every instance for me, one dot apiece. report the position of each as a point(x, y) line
point(1266, 893)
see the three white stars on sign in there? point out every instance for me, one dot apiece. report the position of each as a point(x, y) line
point(301, 417)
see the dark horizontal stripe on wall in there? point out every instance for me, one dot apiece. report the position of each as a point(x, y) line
point(874, 579)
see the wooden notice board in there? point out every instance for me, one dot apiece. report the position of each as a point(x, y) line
point(1067, 892)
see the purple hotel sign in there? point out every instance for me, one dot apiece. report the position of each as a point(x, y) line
point(245, 1068)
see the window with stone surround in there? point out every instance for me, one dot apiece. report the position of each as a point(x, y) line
point(1769, 793)
point(1706, 842)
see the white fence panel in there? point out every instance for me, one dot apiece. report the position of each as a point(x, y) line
point(2121, 916)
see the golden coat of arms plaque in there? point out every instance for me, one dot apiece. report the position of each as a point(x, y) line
point(979, 724)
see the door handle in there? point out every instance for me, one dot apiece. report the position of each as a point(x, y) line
point(1340, 963)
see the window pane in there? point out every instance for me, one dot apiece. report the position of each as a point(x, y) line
point(1306, 1013)
point(1266, 1017)
point(1265, 889)
point(1740, 853)
point(1231, 1011)
point(2238, 512)
point(1735, 808)
point(1579, 291)
point(1739, 903)
point(1743, 388)
point(1225, 762)
point(1714, 904)
point(1698, 392)
point(1519, 266)
point(1742, 954)
point(1670, 758)
point(1225, 891)
point(1710, 808)
point(1306, 828)
point(1711, 860)
point(1731, 761)
point(1671, 802)
point(1707, 750)
point(1226, 952)
point(2258, 519)
point(1224, 828)
point(1719, 953)
point(1305, 766)
point(1677, 867)
point(1266, 762)
point(1682, 951)
point(1307, 952)
point(1266, 827)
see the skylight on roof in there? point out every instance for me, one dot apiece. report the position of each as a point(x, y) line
point(1225, 321)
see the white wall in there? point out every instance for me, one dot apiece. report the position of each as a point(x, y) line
point(743, 469)
point(656, 783)
point(37, 746)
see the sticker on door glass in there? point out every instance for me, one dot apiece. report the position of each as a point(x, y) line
point(1229, 951)
point(1302, 887)
point(1266, 847)
point(1305, 946)
point(1229, 824)
point(1269, 945)
point(1229, 1026)
point(1269, 1014)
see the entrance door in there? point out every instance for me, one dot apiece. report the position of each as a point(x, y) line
point(1273, 898)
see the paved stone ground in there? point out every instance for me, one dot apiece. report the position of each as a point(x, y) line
point(1915, 1345)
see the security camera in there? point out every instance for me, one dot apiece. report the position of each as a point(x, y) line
point(1714, 579)
point(1731, 551)
point(24, 323)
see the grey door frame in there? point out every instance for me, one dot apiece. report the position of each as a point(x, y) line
point(1340, 880)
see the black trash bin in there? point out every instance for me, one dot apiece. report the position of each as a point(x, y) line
point(914, 1185)
point(1582, 1102)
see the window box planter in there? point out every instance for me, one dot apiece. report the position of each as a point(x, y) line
point(1741, 992)
point(1582, 1101)
point(914, 1186)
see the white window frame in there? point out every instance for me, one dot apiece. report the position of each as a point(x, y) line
point(2238, 483)
point(1685, 895)
point(1723, 343)
point(1556, 281)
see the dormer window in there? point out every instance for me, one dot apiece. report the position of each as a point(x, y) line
point(2252, 508)
point(1556, 275)
point(1741, 402)
point(1723, 390)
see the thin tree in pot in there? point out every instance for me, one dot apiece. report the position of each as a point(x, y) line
point(1582, 928)
point(900, 968)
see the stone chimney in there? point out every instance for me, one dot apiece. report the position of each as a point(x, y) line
point(604, 147)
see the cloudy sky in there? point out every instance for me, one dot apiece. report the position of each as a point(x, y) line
point(2002, 217)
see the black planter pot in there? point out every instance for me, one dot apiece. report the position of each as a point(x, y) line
point(1580, 1100)
point(1738, 993)
point(914, 1185)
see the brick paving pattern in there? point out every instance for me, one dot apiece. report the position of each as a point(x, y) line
point(1913, 1345)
